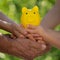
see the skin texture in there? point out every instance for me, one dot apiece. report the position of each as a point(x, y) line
point(11, 26)
point(17, 46)
point(22, 48)
point(46, 29)
point(53, 19)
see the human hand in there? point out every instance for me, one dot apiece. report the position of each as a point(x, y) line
point(23, 48)
point(10, 26)
point(36, 32)
point(18, 31)
point(15, 29)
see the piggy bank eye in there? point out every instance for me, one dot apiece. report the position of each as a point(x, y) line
point(34, 12)
point(26, 13)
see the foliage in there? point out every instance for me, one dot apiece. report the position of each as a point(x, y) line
point(12, 8)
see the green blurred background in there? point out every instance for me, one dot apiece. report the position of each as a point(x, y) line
point(12, 8)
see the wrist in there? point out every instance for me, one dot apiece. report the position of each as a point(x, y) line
point(44, 33)
point(47, 36)
point(4, 44)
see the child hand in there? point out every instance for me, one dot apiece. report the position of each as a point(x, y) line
point(38, 34)
point(35, 34)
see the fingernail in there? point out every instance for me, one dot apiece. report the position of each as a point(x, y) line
point(25, 32)
point(44, 47)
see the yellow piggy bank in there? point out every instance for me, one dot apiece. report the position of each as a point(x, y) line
point(30, 17)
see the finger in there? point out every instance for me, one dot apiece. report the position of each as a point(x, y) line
point(19, 29)
point(43, 46)
point(31, 31)
point(31, 27)
point(22, 36)
point(38, 38)
point(13, 36)
point(23, 31)
point(22, 28)
point(36, 35)
point(17, 34)
point(21, 25)
point(41, 42)
point(30, 37)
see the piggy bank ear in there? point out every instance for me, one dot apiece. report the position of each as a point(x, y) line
point(35, 8)
point(24, 9)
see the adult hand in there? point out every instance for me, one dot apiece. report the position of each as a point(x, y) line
point(10, 26)
point(14, 28)
point(23, 48)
